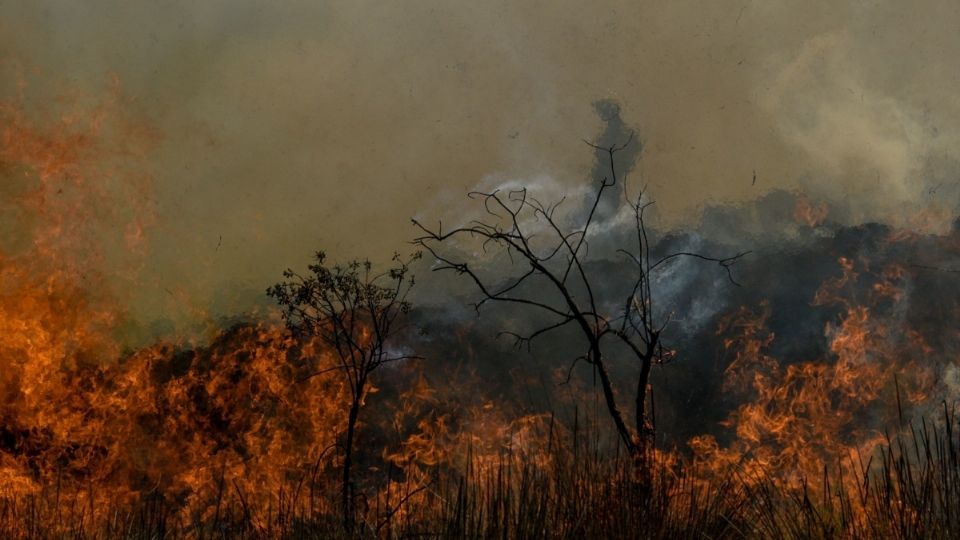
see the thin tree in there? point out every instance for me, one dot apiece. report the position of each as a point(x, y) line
point(357, 313)
point(557, 281)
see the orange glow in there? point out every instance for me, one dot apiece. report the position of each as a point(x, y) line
point(798, 419)
point(807, 213)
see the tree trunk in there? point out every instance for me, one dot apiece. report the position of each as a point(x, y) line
point(642, 382)
point(608, 395)
point(347, 492)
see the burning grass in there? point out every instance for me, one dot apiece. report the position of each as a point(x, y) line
point(241, 437)
point(910, 488)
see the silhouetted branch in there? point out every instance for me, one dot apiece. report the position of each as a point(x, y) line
point(521, 339)
point(562, 253)
point(724, 263)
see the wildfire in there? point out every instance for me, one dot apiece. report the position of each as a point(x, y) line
point(77, 412)
point(797, 419)
point(253, 413)
point(257, 413)
point(56, 317)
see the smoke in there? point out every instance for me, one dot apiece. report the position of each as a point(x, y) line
point(855, 311)
point(292, 127)
point(162, 165)
point(865, 143)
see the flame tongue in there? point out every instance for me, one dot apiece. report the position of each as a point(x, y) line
point(797, 420)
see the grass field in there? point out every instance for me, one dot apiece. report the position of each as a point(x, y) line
point(909, 489)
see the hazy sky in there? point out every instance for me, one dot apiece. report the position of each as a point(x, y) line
point(289, 126)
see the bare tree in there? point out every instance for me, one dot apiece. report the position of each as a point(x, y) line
point(556, 280)
point(357, 313)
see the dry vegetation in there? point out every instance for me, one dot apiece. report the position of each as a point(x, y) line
point(909, 489)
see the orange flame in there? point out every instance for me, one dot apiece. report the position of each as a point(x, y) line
point(809, 214)
point(800, 418)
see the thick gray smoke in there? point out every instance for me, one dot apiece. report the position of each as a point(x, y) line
point(291, 126)
point(806, 273)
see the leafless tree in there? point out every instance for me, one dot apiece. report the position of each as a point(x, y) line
point(357, 313)
point(557, 280)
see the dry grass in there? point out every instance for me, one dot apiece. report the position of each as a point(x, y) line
point(910, 489)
